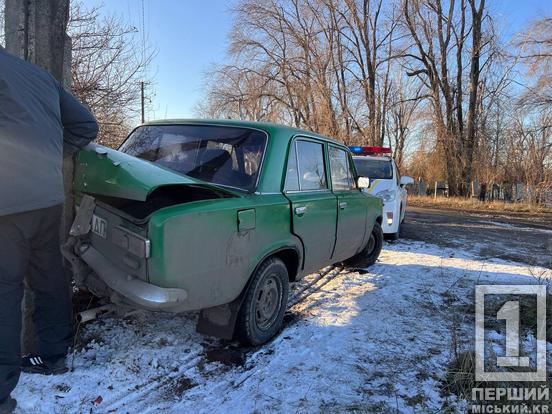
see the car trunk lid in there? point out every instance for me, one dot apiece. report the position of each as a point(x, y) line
point(107, 172)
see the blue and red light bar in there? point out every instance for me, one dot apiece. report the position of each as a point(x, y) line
point(370, 150)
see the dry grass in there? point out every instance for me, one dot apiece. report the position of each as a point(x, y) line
point(471, 204)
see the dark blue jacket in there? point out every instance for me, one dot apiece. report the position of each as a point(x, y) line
point(37, 119)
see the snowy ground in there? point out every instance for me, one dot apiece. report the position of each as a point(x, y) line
point(374, 341)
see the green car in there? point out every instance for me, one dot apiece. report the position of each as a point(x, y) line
point(218, 216)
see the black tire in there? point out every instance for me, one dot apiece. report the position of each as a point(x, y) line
point(262, 311)
point(371, 251)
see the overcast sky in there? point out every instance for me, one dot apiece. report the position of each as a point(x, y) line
point(190, 35)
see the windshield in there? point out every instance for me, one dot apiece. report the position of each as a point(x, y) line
point(217, 154)
point(373, 169)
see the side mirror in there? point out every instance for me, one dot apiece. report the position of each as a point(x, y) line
point(405, 180)
point(363, 183)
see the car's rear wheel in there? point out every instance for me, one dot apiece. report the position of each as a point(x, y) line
point(371, 251)
point(262, 311)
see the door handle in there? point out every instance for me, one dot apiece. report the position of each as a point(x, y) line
point(300, 210)
point(343, 205)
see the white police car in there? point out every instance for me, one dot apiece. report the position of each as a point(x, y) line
point(386, 183)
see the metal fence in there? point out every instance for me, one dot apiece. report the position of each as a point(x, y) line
point(507, 192)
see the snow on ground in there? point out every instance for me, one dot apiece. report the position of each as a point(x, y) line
point(369, 341)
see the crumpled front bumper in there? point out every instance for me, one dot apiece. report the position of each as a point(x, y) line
point(141, 293)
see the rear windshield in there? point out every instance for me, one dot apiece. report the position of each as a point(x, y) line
point(221, 155)
point(374, 169)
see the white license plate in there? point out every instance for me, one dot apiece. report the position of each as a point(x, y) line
point(99, 226)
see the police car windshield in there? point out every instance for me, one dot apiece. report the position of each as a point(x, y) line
point(374, 169)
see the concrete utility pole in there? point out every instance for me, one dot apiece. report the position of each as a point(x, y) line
point(36, 30)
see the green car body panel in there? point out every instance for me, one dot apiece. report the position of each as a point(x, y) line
point(109, 172)
point(202, 253)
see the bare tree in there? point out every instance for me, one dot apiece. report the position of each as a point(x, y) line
point(236, 93)
point(108, 65)
point(536, 51)
point(475, 71)
point(405, 102)
point(432, 73)
point(439, 32)
point(324, 65)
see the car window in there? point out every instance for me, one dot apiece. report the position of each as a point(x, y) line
point(216, 154)
point(342, 176)
point(374, 168)
point(292, 174)
point(311, 169)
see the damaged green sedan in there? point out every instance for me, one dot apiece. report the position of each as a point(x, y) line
point(218, 216)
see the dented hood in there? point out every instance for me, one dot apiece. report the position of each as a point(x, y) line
point(104, 171)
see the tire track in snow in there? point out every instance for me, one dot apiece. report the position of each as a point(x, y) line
point(312, 286)
point(140, 399)
point(137, 397)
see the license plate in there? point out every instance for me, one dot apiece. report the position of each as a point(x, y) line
point(99, 226)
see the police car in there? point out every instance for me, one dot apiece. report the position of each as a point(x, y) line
point(386, 183)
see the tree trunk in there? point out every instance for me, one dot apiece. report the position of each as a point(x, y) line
point(477, 18)
point(36, 31)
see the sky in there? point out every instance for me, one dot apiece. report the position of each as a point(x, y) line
point(189, 36)
point(192, 35)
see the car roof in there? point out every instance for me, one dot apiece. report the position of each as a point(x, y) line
point(268, 127)
point(372, 157)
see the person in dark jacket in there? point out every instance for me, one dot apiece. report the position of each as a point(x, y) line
point(38, 120)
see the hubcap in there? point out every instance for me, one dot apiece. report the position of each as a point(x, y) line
point(268, 302)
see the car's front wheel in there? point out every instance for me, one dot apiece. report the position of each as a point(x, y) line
point(263, 308)
point(371, 251)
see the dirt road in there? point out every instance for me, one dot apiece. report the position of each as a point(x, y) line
point(507, 236)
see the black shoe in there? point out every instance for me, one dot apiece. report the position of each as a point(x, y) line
point(7, 405)
point(35, 364)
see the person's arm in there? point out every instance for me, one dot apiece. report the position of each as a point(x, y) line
point(79, 125)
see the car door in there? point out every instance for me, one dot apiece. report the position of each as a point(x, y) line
point(313, 205)
point(351, 211)
point(401, 192)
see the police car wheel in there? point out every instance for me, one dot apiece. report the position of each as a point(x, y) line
point(394, 236)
